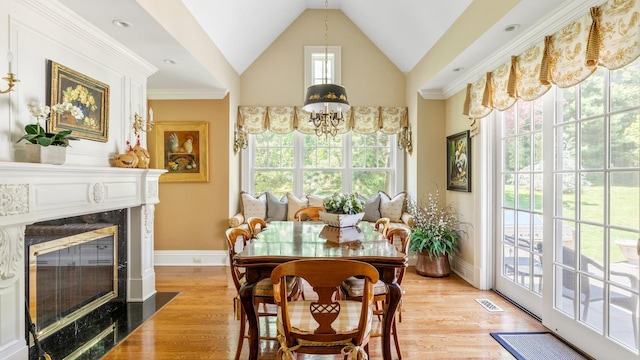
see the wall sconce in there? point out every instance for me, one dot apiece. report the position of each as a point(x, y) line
point(140, 124)
point(10, 78)
point(239, 139)
point(404, 140)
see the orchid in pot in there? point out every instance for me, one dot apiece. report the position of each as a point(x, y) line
point(43, 146)
point(36, 134)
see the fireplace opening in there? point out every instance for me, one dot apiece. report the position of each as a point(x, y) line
point(76, 274)
point(71, 276)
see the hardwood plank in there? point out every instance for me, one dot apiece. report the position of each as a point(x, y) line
point(441, 320)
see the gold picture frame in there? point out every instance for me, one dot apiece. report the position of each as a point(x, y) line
point(90, 95)
point(459, 162)
point(182, 148)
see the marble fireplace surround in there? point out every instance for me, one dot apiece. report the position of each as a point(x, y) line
point(31, 193)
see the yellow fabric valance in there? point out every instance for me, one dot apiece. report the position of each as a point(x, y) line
point(285, 119)
point(608, 36)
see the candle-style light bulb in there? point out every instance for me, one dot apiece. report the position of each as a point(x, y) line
point(10, 61)
point(150, 115)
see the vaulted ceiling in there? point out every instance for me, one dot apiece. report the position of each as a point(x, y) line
point(404, 30)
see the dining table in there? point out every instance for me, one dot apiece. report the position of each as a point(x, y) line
point(283, 241)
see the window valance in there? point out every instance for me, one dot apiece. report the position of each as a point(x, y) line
point(285, 119)
point(608, 36)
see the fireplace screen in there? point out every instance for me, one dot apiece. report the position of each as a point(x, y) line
point(70, 276)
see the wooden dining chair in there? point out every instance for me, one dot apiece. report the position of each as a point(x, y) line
point(310, 213)
point(328, 324)
point(256, 225)
point(382, 226)
point(263, 293)
point(353, 287)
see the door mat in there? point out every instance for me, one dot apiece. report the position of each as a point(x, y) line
point(536, 346)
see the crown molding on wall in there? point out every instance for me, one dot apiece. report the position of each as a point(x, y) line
point(432, 94)
point(84, 29)
point(186, 94)
point(564, 15)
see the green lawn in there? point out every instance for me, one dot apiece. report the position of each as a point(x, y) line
point(624, 213)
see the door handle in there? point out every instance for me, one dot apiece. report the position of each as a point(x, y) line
point(638, 246)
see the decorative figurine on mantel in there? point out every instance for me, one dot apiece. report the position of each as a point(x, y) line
point(128, 160)
point(143, 155)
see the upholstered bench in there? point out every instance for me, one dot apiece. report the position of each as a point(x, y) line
point(267, 206)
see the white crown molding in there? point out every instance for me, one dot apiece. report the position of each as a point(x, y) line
point(186, 94)
point(67, 19)
point(432, 94)
point(563, 16)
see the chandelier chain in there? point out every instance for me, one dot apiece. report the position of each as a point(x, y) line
point(326, 41)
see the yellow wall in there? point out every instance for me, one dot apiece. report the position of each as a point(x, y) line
point(193, 215)
point(277, 76)
point(465, 202)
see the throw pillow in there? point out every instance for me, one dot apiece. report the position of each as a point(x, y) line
point(294, 205)
point(253, 205)
point(371, 208)
point(315, 200)
point(276, 209)
point(392, 207)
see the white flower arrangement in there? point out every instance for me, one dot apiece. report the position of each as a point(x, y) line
point(41, 112)
point(343, 204)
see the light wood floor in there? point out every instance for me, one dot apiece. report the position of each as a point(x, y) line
point(441, 320)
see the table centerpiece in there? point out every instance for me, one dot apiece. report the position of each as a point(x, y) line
point(342, 210)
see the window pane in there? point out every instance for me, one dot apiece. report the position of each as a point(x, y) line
point(322, 183)
point(566, 147)
point(566, 186)
point(623, 253)
point(524, 152)
point(509, 121)
point(625, 87)
point(509, 151)
point(537, 114)
point(524, 116)
point(592, 153)
point(592, 198)
point(566, 105)
point(509, 190)
point(277, 182)
point(367, 183)
point(625, 140)
point(591, 248)
point(624, 199)
point(592, 94)
point(524, 192)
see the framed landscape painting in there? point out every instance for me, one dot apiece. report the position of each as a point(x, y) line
point(182, 149)
point(459, 162)
point(90, 95)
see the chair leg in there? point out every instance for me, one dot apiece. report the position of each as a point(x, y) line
point(243, 322)
point(394, 331)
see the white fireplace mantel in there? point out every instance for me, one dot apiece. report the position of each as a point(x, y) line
point(37, 192)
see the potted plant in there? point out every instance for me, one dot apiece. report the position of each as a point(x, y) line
point(48, 147)
point(434, 236)
point(342, 210)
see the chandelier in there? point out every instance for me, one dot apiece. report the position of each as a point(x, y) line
point(326, 102)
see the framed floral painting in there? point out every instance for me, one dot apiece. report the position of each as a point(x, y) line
point(459, 162)
point(90, 95)
point(181, 148)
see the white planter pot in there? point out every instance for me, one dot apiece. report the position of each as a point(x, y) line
point(340, 220)
point(55, 155)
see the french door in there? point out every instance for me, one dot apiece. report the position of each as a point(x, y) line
point(568, 214)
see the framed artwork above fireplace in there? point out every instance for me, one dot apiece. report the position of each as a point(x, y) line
point(90, 95)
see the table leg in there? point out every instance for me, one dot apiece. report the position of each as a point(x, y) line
point(394, 294)
point(246, 296)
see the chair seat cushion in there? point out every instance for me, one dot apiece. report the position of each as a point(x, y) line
point(264, 288)
point(354, 287)
point(302, 321)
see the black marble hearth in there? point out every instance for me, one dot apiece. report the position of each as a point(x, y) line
point(95, 334)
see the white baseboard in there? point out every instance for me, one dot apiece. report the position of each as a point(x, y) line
point(463, 269)
point(191, 258)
